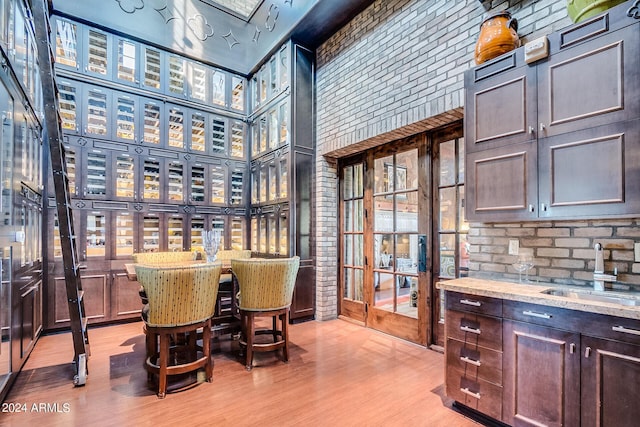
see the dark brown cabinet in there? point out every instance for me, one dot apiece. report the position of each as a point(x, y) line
point(555, 139)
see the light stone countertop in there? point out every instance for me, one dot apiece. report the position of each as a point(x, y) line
point(534, 294)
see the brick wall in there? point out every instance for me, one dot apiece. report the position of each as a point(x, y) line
point(393, 71)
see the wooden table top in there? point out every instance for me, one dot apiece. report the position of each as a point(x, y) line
point(131, 267)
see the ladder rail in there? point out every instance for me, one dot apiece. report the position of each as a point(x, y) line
point(54, 139)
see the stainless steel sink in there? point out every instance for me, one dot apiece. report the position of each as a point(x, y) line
point(593, 296)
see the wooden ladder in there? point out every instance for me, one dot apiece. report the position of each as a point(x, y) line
point(53, 138)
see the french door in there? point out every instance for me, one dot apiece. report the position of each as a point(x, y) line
point(402, 229)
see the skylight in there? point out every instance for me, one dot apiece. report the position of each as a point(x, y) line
point(241, 8)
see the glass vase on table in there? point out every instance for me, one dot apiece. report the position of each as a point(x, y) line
point(211, 242)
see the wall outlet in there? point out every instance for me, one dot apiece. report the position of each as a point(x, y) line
point(514, 247)
point(636, 251)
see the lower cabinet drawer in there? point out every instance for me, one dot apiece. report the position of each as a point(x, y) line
point(474, 329)
point(474, 361)
point(477, 394)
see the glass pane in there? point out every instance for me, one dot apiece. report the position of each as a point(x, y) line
point(284, 68)
point(461, 160)
point(273, 234)
point(255, 185)
point(197, 183)
point(175, 234)
point(263, 84)
point(284, 236)
point(263, 134)
point(347, 182)
point(358, 180)
point(217, 223)
point(407, 268)
point(126, 61)
point(67, 99)
point(176, 128)
point(254, 234)
point(71, 162)
point(407, 212)
point(217, 184)
point(273, 181)
point(198, 82)
point(284, 120)
point(447, 255)
point(176, 182)
point(407, 296)
point(406, 176)
point(217, 135)
point(152, 68)
point(176, 75)
point(124, 176)
point(237, 139)
point(284, 179)
point(358, 250)
point(197, 226)
point(348, 249)
point(237, 94)
point(151, 123)
point(263, 183)
point(358, 215)
point(124, 234)
point(347, 207)
point(463, 225)
point(383, 214)
point(151, 172)
point(57, 246)
point(463, 257)
point(263, 235)
point(151, 234)
point(255, 146)
point(273, 77)
point(448, 166)
point(96, 174)
point(96, 234)
point(218, 79)
point(383, 175)
point(66, 43)
point(198, 132)
point(98, 56)
point(448, 207)
point(358, 284)
point(125, 115)
point(96, 112)
point(237, 185)
point(237, 234)
point(348, 284)
point(273, 129)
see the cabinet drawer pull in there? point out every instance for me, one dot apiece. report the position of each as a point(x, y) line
point(468, 329)
point(625, 330)
point(465, 359)
point(465, 390)
point(572, 348)
point(535, 314)
point(587, 352)
point(470, 302)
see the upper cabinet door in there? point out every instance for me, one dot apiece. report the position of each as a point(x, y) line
point(218, 87)
point(591, 83)
point(125, 117)
point(198, 82)
point(500, 106)
point(97, 55)
point(152, 68)
point(68, 44)
point(127, 63)
point(97, 112)
point(177, 76)
point(237, 93)
point(69, 101)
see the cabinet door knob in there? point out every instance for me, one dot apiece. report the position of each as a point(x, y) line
point(531, 130)
point(572, 348)
point(542, 127)
point(543, 207)
point(531, 208)
point(587, 352)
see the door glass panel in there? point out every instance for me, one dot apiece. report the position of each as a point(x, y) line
point(176, 128)
point(237, 94)
point(71, 162)
point(175, 234)
point(151, 190)
point(353, 237)
point(217, 135)
point(263, 134)
point(273, 129)
point(151, 123)
point(237, 139)
point(197, 183)
point(263, 84)
point(126, 61)
point(255, 144)
point(237, 233)
point(218, 79)
point(217, 223)
point(176, 75)
point(237, 186)
point(124, 176)
point(255, 185)
point(176, 182)
point(448, 209)
point(151, 234)
point(273, 181)
point(272, 232)
point(96, 174)
point(448, 166)
point(96, 112)
point(124, 234)
point(273, 76)
point(284, 236)
point(284, 120)
point(263, 235)
point(125, 126)
point(284, 179)
point(198, 132)
point(217, 184)
point(67, 43)
point(284, 68)
point(68, 106)
point(198, 82)
point(197, 226)
point(98, 55)
point(96, 235)
point(254, 234)
point(152, 68)
point(263, 183)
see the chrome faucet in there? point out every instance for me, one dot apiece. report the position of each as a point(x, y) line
point(599, 277)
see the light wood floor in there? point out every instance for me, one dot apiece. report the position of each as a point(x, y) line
point(339, 374)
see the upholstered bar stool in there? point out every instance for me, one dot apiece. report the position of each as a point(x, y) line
point(181, 301)
point(266, 290)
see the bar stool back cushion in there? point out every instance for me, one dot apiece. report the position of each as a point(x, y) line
point(155, 258)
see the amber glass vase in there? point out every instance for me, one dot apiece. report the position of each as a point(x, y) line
point(498, 35)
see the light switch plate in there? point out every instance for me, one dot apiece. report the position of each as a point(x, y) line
point(636, 251)
point(514, 247)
